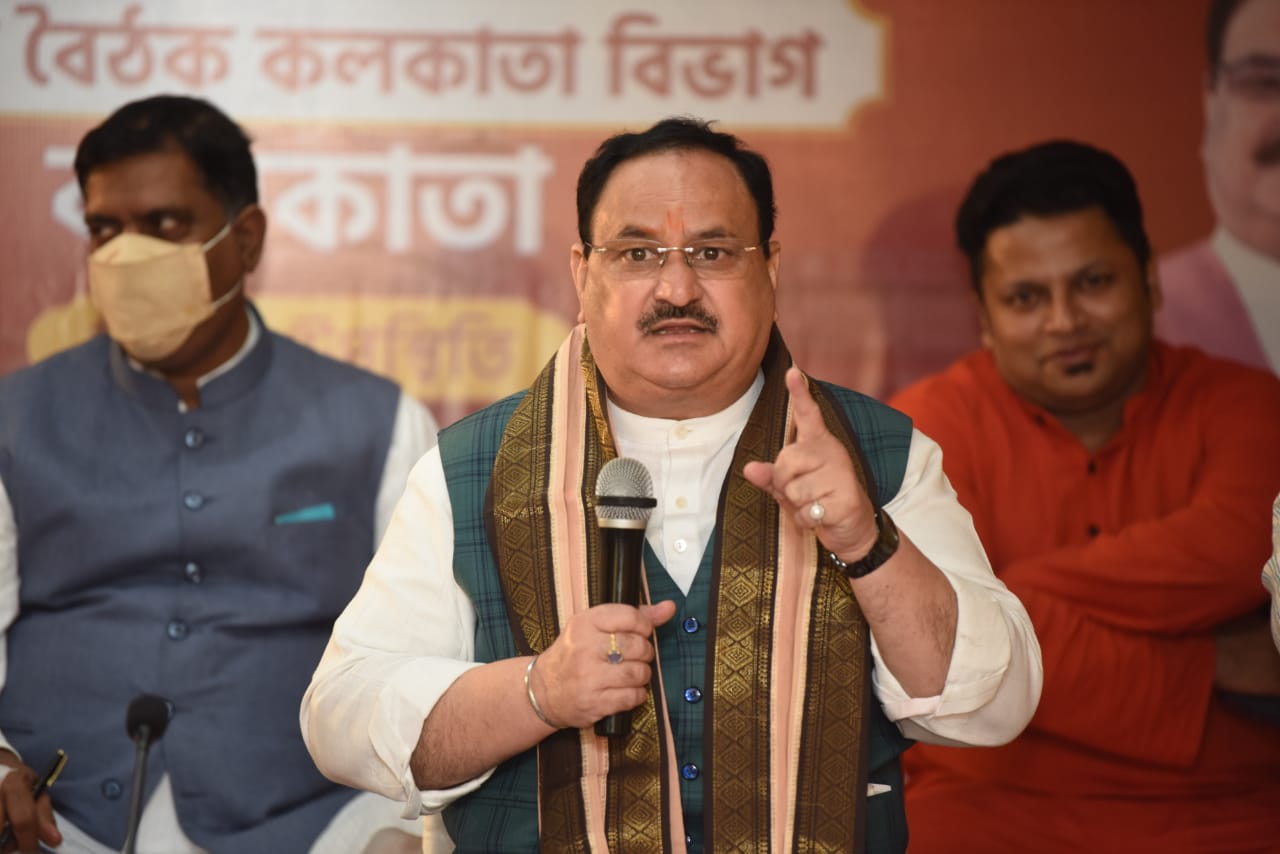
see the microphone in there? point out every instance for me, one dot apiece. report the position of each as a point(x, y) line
point(145, 722)
point(624, 500)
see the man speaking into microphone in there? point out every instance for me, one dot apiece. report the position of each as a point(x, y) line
point(817, 596)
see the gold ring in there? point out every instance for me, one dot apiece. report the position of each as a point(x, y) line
point(615, 654)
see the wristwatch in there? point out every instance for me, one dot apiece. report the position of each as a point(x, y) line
point(885, 546)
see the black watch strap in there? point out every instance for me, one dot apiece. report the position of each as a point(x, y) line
point(885, 546)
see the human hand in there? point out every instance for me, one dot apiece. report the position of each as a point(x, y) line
point(574, 681)
point(28, 820)
point(815, 466)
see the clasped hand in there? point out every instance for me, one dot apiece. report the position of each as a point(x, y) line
point(574, 681)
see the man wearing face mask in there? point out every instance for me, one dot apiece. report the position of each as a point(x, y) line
point(186, 504)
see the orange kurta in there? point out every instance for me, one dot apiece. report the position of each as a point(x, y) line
point(1126, 559)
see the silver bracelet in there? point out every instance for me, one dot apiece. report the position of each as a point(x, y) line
point(533, 701)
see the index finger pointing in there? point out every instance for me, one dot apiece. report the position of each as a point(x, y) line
point(808, 417)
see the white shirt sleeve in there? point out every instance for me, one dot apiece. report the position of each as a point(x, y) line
point(994, 680)
point(401, 642)
point(412, 435)
point(1271, 572)
point(9, 585)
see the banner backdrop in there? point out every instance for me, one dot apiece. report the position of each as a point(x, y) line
point(418, 159)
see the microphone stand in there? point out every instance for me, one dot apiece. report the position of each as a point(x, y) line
point(146, 721)
point(137, 788)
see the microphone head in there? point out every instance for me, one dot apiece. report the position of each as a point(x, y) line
point(148, 715)
point(624, 493)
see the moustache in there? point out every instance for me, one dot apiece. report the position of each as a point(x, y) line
point(667, 311)
point(1268, 154)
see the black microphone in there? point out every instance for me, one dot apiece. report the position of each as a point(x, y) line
point(145, 722)
point(624, 500)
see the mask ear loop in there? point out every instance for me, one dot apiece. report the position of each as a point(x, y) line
point(225, 298)
point(205, 247)
point(217, 238)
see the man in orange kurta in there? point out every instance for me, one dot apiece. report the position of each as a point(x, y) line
point(1121, 488)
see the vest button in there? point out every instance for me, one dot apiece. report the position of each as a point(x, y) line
point(1093, 530)
point(192, 572)
point(689, 771)
point(177, 630)
point(193, 438)
point(691, 624)
point(193, 501)
point(692, 695)
point(112, 789)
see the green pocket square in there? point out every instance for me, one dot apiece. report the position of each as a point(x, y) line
point(314, 513)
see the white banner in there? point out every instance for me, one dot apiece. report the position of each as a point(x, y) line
point(745, 62)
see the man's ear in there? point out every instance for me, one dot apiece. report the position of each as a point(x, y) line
point(250, 231)
point(578, 269)
point(984, 319)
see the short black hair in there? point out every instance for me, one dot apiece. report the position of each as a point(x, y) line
point(217, 146)
point(1048, 179)
point(676, 133)
point(1215, 32)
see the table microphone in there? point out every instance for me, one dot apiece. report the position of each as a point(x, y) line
point(624, 500)
point(145, 722)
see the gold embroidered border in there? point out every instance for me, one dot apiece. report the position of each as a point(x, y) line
point(519, 488)
point(831, 781)
point(738, 717)
point(737, 722)
point(522, 495)
point(635, 812)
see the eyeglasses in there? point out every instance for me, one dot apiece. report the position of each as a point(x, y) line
point(1254, 77)
point(634, 260)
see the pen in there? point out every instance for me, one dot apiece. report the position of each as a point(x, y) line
point(43, 782)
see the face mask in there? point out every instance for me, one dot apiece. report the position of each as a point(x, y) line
point(153, 293)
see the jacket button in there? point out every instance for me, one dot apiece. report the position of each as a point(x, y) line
point(112, 789)
point(177, 630)
point(193, 438)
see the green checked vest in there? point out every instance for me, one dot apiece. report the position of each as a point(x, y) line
point(502, 815)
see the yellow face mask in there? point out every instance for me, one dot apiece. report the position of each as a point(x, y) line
point(153, 293)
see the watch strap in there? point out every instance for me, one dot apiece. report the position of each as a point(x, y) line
point(885, 546)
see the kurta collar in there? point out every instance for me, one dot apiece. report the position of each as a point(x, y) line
point(224, 383)
point(709, 429)
point(1153, 386)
